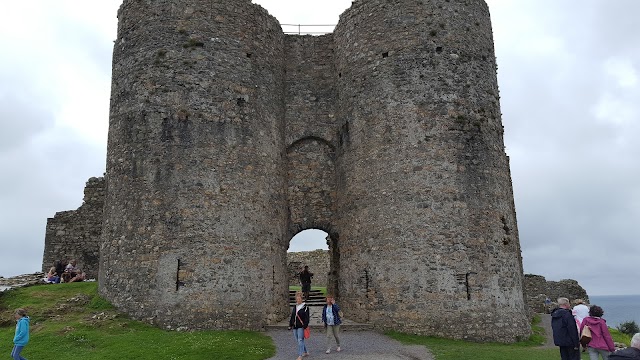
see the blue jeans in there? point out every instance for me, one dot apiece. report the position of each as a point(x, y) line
point(299, 335)
point(15, 354)
point(593, 354)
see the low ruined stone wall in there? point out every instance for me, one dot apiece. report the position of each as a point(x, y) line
point(537, 289)
point(76, 234)
point(318, 262)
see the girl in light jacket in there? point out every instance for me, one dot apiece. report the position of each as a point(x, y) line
point(21, 338)
point(601, 342)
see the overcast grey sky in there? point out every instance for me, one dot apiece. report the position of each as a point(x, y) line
point(569, 87)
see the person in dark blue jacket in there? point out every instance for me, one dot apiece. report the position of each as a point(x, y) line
point(565, 331)
point(331, 320)
point(21, 338)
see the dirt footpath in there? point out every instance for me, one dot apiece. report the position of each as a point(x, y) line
point(356, 345)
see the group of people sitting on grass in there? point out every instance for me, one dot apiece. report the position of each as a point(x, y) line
point(65, 272)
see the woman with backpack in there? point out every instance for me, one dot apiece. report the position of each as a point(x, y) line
point(601, 343)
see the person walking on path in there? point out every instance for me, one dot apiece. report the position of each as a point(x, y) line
point(565, 331)
point(305, 281)
point(580, 311)
point(299, 321)
point(630, 353)
point(601, 342)
point(21, 338)
point(331, 319)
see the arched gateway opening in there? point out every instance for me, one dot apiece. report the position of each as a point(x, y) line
point(312, 238)
point(316, 249)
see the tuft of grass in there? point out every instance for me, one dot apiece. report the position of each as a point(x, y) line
point(73, 321)
point(98, 303)
point(538, 336)
point(620, 337)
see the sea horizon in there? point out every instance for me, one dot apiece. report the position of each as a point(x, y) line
point(618, 308)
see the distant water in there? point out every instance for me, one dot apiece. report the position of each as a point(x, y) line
point(618, 308)
point(3, 288)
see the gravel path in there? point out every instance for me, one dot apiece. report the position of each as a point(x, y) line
point(356, 345)
point(546, 324)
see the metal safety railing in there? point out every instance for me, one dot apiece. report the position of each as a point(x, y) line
point(304, 29)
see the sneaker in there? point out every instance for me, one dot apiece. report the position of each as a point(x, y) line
point(328, 351)
point(305, 354)
point(338, 349)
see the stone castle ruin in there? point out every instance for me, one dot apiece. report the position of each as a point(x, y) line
point(227, 137)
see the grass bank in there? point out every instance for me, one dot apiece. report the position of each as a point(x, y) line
point(73, 321)
point(531, 349)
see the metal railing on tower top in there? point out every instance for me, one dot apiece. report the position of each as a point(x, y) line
point(303, 29)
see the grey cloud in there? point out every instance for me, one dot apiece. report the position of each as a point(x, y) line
point(19, 121)
point(37, 182)
point(85, 44)
point(574, 174)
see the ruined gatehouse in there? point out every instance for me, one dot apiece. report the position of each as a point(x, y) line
point(227, 137)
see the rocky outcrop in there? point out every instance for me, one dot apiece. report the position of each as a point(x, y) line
point(537, 289)
point(20, 281)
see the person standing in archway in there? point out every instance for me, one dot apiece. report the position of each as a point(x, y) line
point(305, 281)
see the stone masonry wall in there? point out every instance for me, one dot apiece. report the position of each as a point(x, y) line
point(537, 288)
point(318, 262)
point(195, 166)
point(76, 234)
point(227, 137)
point(425, 195)
point(310, 118)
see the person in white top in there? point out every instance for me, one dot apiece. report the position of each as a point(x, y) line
point(580, 311)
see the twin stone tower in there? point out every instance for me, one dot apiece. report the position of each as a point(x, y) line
point(227, 137)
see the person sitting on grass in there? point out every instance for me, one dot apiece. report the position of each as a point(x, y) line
point(79, 276)
point(70, 271)
point(52, 276)
point(60, 266)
